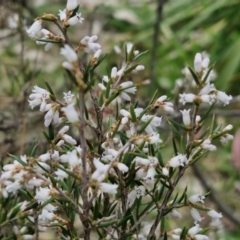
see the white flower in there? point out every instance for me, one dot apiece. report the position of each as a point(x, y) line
point(35, 28)
point(194, 230)
point(66, 137)
point(70, 113)
point(89, 45)
point(167, 106)
point(60, 174)
point(223, 97)
point(136, 193)
point(213, 214)
point(125, 88)
point(186, 116)
point(12, 187)
point(52, 115)
point(228, 128)
point(196, 198)
point(39, 97)
point(149, 178)
point(34, 182)
point(155, 122)
point(176, 214)
point(201, 237)
point(154, 138)
point(42, 195)
point(45, 215)
point(122, 167)
point(211, 98)
point(62, 15)
point(97, 54)
point(101, 170)
point(196, 216)
point(186, 98)
point(165, 171)
point(199, 63)
point(102, 87)
point(71, 4)
point(69, 97)
point(208, 146)
point(140, 174)
point(224, 139)
point(177, 161)
point(75, 19)
point(139, 68)
point(108, 188)
point(69, 53)
point(113, 72)
point(129, 46)
point(105, 79)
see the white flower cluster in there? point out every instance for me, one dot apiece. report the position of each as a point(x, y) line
point(207, 92)
point(42, 97)
point(123, 166)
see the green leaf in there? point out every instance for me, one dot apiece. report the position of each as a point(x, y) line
point(212, 124)
point(206, 76)
point(183, 195)
point(133, 115)
point(32, 149)
point(160, 160)
point(139, 55)
point(107, 224)
point(48, 40)
point(46, 136)
point(98, 63)
point(176, 124)
point(130, 69)
point(145, 125)
point(194, 76)
point(207, 113)
point(174, 147)
point(18, 159)
point(184, 233)
point(26, 194)
point(49, 88)
point(143, 112)
point(51, 132)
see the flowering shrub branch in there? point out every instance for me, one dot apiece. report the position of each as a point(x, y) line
point(120, 177)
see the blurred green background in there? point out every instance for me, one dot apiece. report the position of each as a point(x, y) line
point(181, 29)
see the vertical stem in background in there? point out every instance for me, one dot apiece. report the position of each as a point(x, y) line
point(84, 184)
point(156, 28)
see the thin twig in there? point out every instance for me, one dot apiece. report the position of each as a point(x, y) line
point(155, 37)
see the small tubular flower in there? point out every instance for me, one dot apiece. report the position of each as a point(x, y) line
point(69, 53)
point(108, 188)
point(71, 4)
point(70, 113)
point(35, 28)
point(196, 216)
point(167, 106)
point(186, 117)
point(208, 146)
point(88, 44)
point(213, 214)
point(186, 98)
point(177, 161)
point(39, 97)
point(75, 19)
point(196, 198)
